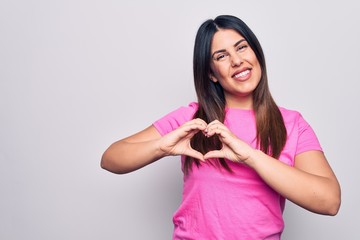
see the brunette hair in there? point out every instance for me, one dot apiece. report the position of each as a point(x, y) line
point(271, 131)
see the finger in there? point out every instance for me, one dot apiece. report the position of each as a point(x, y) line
point(213, 125)
point(189, 130)
point(214, 154)
point(220, 130)
point(215, 122)
point(195, 154)
point(198, 124)
point(200, 121)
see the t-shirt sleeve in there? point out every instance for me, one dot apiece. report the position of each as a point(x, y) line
point(174, 119)
point(307, 139)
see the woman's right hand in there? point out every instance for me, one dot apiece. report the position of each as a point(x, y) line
point(177, 142)
point(147, 146)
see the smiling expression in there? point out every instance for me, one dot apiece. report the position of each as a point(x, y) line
point(235, 66)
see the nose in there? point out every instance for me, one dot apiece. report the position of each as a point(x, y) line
point(236, 59)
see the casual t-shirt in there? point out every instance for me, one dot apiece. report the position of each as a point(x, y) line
point(220, 205)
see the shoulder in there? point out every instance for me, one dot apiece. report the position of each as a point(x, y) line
point(175, 118)
point(300, 130)
point(185, 112)
point(288, 112)
point(294, 119)
point(290, 115)
point(192, 107)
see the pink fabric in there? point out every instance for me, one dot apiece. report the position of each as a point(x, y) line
point(220, 205)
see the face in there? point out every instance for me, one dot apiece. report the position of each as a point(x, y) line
point(235, 66)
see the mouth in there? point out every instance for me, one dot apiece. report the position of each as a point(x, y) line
point(242, 75)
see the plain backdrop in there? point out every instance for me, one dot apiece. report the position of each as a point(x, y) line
point(77, 75)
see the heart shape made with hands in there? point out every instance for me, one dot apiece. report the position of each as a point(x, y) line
point(219, 139)
point(229, 146)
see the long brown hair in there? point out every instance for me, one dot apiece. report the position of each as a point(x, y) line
point(270, 127)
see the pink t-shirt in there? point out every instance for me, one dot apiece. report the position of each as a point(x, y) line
point(220, 205)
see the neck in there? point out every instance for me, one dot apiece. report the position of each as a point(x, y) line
point(245, 102)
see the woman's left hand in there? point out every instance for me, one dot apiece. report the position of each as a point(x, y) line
point(310, 183)
point(233, 148)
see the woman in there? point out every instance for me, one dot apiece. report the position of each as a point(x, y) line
point(242, 155)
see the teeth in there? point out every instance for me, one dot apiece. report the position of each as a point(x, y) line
point(242, 74)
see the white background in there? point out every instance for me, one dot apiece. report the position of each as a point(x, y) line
point(77, 75)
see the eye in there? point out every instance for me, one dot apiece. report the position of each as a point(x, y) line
point(221, 56)
point(241, 47)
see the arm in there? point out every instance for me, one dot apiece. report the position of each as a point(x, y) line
point(148, 146)
point(310, 184)
point(132, 153)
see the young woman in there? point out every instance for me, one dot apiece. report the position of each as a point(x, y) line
point(242, 155)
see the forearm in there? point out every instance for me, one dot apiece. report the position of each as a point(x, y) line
point(316, 193)
point(124, 157)
point(147, 146)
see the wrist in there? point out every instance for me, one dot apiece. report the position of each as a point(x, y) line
point(253, 158)
point(161, 151)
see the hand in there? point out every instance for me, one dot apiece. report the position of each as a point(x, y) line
point(233, 148)
point(177, 142)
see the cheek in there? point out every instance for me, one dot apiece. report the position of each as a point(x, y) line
point(257, 67)
point(221, 72)
point(259, 71)
point(216, 74)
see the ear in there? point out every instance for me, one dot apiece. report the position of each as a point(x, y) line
point(212, 78)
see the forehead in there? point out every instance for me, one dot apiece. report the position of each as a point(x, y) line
point(225, 38)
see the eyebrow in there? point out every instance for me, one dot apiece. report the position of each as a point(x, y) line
point(223, 50)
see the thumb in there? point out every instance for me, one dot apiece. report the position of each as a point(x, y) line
point(195, 154)
point(214, 154)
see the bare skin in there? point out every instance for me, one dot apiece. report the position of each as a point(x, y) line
point(310, 184)
point(147, 146)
